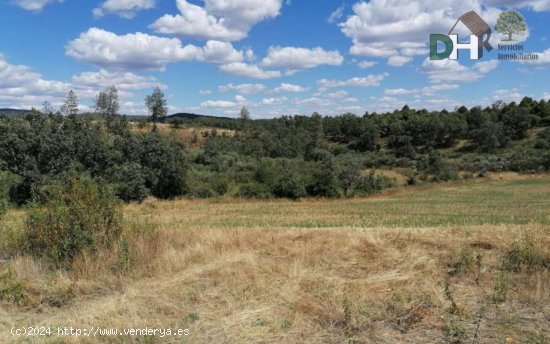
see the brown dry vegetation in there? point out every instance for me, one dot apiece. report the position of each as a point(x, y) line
point(431, 266)
point(185, 134)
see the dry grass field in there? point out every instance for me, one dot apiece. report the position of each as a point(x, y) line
point(193, 137)
point(464, 262)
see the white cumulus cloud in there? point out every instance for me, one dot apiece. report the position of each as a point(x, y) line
point(249, 71)
point(224, 104)
point(140, 51)
point(23, 87)
point(123, 8)
point(428, 90)
point(368, 81)
point(217, 19)
point(34, 5)
point(132, 51)
point(366, 64)
point(289, 88)
point(398, 61)
point(243, 88)
point(385, 28)
point(293, 58)
point(441, 71)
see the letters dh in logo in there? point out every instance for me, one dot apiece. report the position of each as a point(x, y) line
point(477, 26)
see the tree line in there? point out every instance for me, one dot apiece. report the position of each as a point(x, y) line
point(290, 156)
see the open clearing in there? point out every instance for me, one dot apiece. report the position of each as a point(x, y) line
point(464, 262)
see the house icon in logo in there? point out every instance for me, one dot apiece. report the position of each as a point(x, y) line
point(479, 39)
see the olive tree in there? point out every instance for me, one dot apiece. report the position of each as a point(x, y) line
point(157, 105)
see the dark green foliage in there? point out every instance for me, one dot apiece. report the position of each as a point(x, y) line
point(476, 119)
point(289, 186)
point(78, 215)
point(440, 169)
point(285, 178)
point(7, 182)
point(516, 121)
point(368, 140)
point(165, 166)
point(492, 163)
point(204, 183)
point(490, 137)
point(129, 182)
point(291, 156)
point(324, 178)
point(157, 105)
point(176, 123)
point(327, 156)
point(254, 190)
point(543, 139)
point(38, 149)
point(371, 184)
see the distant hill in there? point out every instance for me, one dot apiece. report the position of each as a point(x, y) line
point(181, 115)
point(10, 112)
point(192, 116)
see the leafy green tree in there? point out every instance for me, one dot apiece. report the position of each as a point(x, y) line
point(47, 108)
point(475, 118)
point(165, 166)
point(70, 106)
point(107, 103)
point(490, 137)
point(511, 23)
point(244, 114)
point(517, 122)
point(368, 141)
point(157, 105)
point(325, 176)
point(129, 182)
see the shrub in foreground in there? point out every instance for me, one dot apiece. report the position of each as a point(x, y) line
point(77, 217)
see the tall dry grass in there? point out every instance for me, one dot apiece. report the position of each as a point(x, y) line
point(237, 277)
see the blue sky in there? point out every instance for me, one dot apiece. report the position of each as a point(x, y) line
point(277, 57)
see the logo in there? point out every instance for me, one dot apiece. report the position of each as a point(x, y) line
point(479, 39)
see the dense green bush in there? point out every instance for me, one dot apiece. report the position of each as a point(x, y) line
point(289, 186)
point(487, 162)
point(490, 137)
point(440, 169)
point(7, 182)
point(324, 176)
point(129, 182)
point(254, 190)
point(79, 216)
point(516, 121)
point(371, 184)
point(165, 166)
point(204, 183)
point(39, 149)
point(543, 139)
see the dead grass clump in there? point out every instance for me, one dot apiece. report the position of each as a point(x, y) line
point(526, 254)
point(27, 282)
